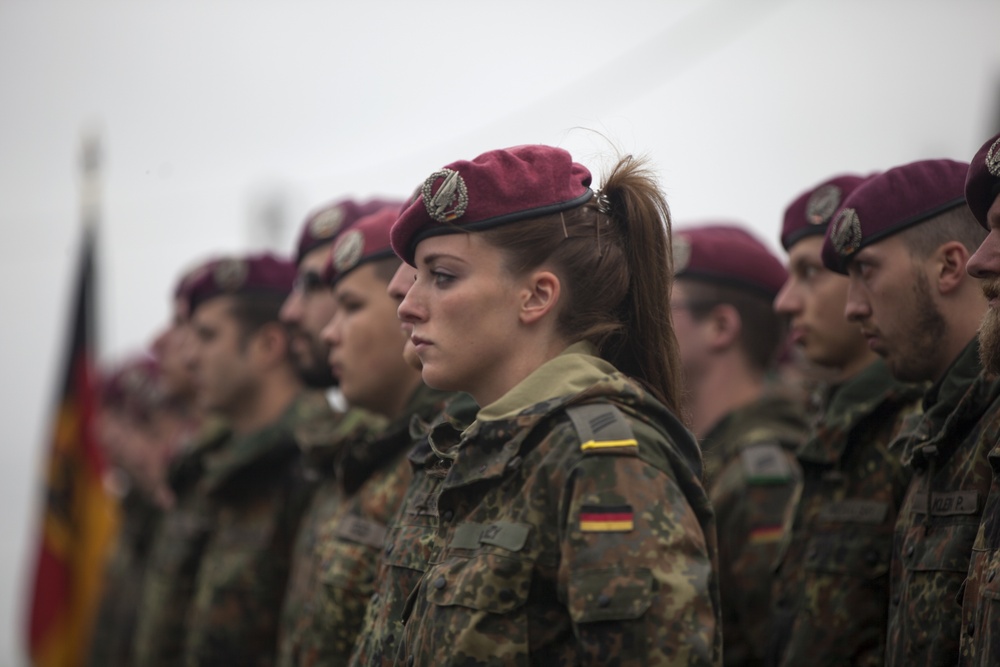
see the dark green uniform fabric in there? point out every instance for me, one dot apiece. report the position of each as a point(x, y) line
point(257, 490)
point(321, 449)
point(980, 639)
point(753, 482)
point(114, 627)
point(559, 545)
point(939, 519)
point(174, 556)
point(832, 586)
point(372, 477)
point(411, 534)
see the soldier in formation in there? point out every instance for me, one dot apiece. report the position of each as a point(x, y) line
point(513, 480)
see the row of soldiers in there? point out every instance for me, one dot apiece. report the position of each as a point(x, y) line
point(852, 487)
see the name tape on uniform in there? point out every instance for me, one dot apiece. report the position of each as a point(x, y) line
point(950, 503)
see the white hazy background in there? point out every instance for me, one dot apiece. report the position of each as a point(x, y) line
point(223, 123)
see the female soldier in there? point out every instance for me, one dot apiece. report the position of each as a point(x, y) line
point(571, 526)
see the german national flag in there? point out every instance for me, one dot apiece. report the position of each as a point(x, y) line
point(78, 517)
point(606, 519)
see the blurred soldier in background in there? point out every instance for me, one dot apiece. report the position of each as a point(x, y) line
point(832, 587)
point(132, 429)
point(415, 523)
point(165, 591)
point(729, 337)
point(366, 355)
point(980, 617)
point(308, 308)
point(904, 238)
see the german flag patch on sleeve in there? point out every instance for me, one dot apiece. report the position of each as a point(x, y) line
point(607, 519)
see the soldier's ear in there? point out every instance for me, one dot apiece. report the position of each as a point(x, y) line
point(270, 342)
point(949, 262)
point(723, 326)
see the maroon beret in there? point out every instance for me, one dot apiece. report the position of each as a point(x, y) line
point(367, 241)
point(812, 210)
point(326, 222)
point(728, 255)
point(982, 183)
point(262, 274)
point(496, 188)
point(891, 202)
point(133, 385)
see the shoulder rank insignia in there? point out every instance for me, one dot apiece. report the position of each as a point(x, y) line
point(765, 463)
point(602, 429)
point(606, 519)
point(766, 533)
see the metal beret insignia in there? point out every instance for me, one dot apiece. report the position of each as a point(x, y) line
point(451, 199)
point(347, 252)
point(846, 232)
point(822, 204)
point(327, 223)
point(682, 253)
point(993, 159)
point(229, 274)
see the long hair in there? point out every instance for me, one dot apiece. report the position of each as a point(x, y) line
point(614, 259)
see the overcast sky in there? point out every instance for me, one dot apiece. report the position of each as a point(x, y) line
point(214, 113)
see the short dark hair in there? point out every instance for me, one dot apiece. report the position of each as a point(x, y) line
point(761, 329)
point(253, 311)
point(957, 224)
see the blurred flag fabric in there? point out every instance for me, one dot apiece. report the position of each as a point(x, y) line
point(78, 518)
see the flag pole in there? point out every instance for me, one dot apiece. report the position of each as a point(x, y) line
point(79, 518)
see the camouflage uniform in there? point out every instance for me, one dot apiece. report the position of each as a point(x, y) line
point(174, 555)
point(371, 476)
point(257, 488)
point(832, 585)
point(114, 627)
point(320, 451)
point(935, 532)
point(410, 536)
point(980, 625)
point(572, 531)
point(753, 483)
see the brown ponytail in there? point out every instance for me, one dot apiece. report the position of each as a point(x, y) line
point(614, 258)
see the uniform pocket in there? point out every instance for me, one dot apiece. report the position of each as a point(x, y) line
point(610, 594)
point(855, 554)
point(487, 582)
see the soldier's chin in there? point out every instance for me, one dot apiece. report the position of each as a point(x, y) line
point(989, 342)
point(411, 357)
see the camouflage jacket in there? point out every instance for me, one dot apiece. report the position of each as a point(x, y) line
point(320, 449)
point(411, 533)
point(832, 586)
point(935, 531)
point(981, 604)
point(573, 531)
point(114, 627)
point(371, 476)
point(753, 482)
point(174, 555)
point(257, 490)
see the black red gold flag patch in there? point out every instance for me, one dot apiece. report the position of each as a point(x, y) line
point(607, 518)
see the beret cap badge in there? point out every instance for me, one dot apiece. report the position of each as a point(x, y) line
point(993, 159)
point(846, 232)
point(823, 204)
point(348, 250)
point(229, 274)
point(327, 223)
point(451, 199)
